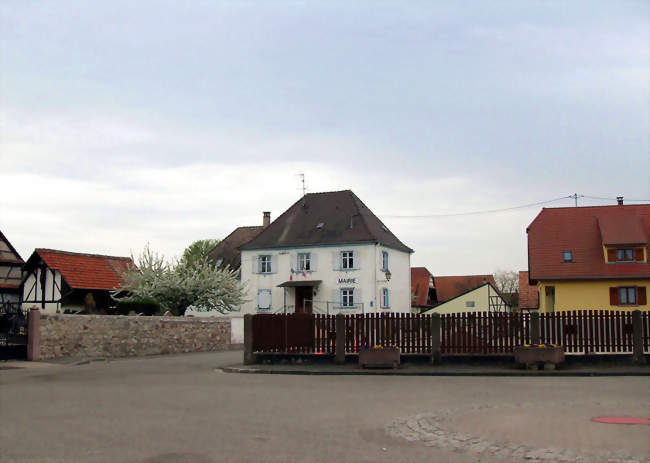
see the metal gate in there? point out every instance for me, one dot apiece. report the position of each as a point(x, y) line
point(13, 331)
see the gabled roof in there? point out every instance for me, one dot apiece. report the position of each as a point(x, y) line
point(528, 294)
point(420, 285)
point(8, 254)
point(227, 249)
point(584, 231)
point(344, 218)
point(449, 287)
point(84, 271)
point(487, 284)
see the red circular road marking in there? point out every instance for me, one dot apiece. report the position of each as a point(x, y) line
point(620, 420)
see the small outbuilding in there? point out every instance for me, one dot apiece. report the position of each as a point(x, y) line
point(11, 271)
point(61, 281)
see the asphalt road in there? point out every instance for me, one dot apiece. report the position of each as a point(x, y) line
point(179, 409)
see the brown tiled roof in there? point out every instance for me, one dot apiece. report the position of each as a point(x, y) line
point(345, 219)
point(85, 271)
point(420, 284)
point(625, 228)
point(227, 249)
point(580, 230)
point(528, 294)
point(449, 287)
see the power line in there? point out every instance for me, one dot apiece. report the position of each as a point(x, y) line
point(614, 199)
point(489, 211)
point(574, 196)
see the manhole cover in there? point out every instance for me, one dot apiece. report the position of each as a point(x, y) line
point(620, 420)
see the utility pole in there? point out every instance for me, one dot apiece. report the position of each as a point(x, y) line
point(575, 196)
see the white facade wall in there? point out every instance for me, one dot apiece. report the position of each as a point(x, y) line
point(367, 278)
point(33, 294)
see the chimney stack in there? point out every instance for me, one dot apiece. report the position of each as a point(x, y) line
point(266, 221)
point(619, 200)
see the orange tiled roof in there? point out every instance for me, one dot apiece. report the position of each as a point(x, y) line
point(420, 278)
point(87, 271)
point(584, 231)
point(528, 295)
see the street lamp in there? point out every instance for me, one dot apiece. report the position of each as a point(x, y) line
point(388, 275)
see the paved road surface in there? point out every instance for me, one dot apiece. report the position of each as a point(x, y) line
point(179, 409)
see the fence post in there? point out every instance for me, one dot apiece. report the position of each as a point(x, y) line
point(637, 338)
point(534, 328)
point(436, 354)
point(340, 339)
point(34, 335)
point(249, 357)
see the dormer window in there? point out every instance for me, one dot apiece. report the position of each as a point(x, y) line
point(625, 254)
point(567, 256)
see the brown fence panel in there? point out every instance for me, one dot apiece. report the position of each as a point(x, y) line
point(268, 333)
point(645, 323)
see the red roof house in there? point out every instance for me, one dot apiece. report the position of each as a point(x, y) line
point(588, 244)
point(423, 293)
point(56, 279)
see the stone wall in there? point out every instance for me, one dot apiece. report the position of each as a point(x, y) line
point(125, 336)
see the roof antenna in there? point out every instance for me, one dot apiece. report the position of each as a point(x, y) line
point(304, 187)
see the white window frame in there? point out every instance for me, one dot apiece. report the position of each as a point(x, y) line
point(264, 262)
point(627, 291)
point(347, 298)
point(270, 293)
point(385, 298)
point(347, 260)
point(304, 262)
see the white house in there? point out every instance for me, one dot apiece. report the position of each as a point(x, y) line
point(328, 253)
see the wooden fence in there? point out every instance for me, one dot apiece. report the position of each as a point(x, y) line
point(583, 331)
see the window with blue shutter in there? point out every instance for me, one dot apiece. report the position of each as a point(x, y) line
point(385, 298)
point(264, 299)
point(264, 264)
point(384, 260)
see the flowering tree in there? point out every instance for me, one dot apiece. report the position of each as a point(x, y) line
point(180, 284)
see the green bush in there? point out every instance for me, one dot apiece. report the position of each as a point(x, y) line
point(145, 305)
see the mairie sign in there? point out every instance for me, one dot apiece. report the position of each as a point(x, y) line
point(347, 281)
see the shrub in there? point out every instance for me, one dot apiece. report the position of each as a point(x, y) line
point(143, 305)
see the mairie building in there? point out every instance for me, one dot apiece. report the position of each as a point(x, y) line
point(328, 253)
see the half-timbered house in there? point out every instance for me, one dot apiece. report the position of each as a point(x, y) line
point(11, 268)
point(60, 281)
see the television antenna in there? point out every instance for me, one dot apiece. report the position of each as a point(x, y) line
point(304, 186)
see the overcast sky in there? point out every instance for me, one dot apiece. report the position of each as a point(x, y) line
point(127, 122)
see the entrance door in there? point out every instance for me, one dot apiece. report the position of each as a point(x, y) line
point(304, 295)
point(550, 299)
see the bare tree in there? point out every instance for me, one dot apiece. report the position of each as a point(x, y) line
point(508, 284)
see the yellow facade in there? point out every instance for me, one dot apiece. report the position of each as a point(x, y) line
point(562, 295)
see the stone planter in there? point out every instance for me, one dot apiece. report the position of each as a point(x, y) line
point(533, 355)
point(385, 357)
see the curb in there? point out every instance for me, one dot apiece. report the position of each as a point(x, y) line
point(263, 371)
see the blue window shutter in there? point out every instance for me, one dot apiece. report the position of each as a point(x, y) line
point(355, 258)
point(358, 298)
point(258, 266)
point(312, 257)
point(336, 260)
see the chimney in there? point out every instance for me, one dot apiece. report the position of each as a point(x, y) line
point(266, 221)
point(619, 200)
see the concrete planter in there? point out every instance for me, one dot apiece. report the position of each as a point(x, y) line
point(534, 355)
point(386, 357)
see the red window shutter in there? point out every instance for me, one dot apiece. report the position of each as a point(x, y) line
point(640, 296)
point(613, 296)
point(638, 254)
point(611, 255)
